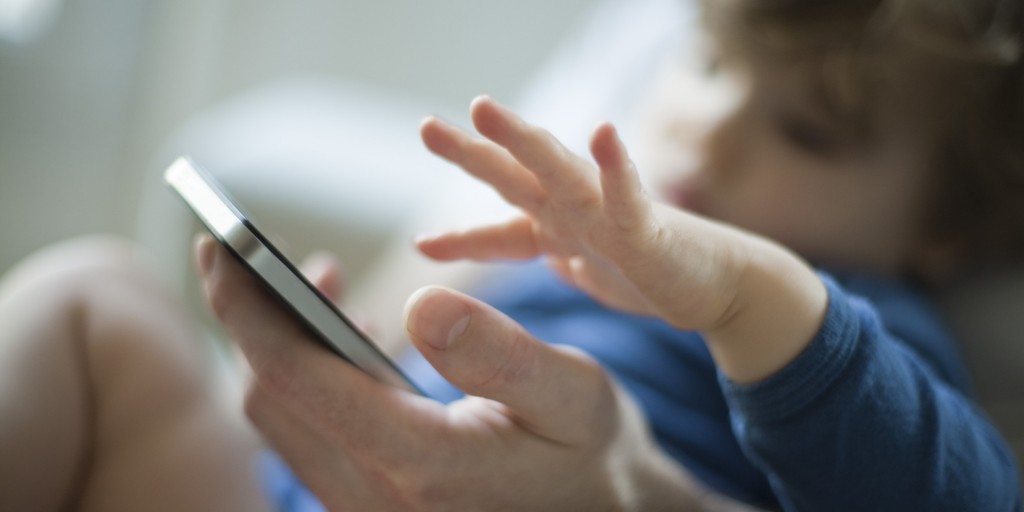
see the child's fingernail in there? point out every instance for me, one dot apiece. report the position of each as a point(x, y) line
point(437, 317)
point(483, 98)
point(427, 237)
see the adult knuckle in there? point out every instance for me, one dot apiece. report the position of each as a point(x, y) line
point(220, 298)
point(593, 374)
point(596, 395)
point(426, 488)
point(255, 404)
point(512, 367)
point(275, 374)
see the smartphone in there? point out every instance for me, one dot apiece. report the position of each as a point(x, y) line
point(235, 231)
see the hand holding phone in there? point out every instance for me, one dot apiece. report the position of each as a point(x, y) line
point(234, 230)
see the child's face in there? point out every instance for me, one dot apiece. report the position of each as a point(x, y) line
point(758, 156)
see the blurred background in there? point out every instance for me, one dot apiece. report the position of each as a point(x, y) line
point(307, 111)
point(92, 91)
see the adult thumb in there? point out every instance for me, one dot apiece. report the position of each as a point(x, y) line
point(556, 392)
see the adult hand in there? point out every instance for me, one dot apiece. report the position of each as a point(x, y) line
point(545, 429)
point(322, 269)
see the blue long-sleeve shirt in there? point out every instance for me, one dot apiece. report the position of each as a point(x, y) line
point(871, 416)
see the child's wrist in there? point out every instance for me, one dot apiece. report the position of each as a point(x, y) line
point(779, 305)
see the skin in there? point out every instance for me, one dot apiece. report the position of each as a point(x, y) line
point(758, 304)
point(105, 393)
point(763, 158)
point(377, 448)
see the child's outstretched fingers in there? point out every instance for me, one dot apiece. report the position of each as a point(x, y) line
point(584, 221)
point(569, 180)
point(484, 160)
point(515, 239)
point(624, 198)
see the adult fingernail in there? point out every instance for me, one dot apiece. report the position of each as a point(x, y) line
point(206, 252)
point(317, 265)
point(437, 317)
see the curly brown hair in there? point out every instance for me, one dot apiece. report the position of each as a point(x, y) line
point(961, 59)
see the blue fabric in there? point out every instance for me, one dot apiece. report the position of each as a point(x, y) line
point(864, 421)
point(284, 490)
point(872, 416)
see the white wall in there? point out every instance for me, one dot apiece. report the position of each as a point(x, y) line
point(85, 108)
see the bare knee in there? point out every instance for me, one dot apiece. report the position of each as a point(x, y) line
point(101, 280)
point(93, 298)
point(47, 421)
point(133, 375)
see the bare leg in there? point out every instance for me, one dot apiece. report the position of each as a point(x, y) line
point(107, 401)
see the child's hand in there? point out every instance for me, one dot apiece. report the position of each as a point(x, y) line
point(757, 304)
point(595, 224)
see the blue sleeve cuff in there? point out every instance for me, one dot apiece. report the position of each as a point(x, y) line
point(810, 375)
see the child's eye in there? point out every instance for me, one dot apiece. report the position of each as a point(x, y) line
point(810, 137)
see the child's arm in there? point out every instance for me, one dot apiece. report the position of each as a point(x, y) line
point(862, 421)
point(838, 412)
point(757, 304)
